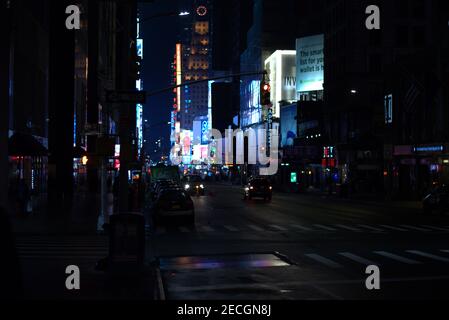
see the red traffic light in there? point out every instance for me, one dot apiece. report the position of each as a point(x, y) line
point(266, 87)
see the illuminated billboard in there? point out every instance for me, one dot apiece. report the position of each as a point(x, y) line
point(281, 67)
point(288, 125)
point(186, 142)
point(310, 63)
point(252, 111)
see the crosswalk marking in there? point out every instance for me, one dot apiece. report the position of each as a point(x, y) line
point(435, 228)
point(184, 229)
point(325, 227)
point(297, 226)
point(396, 257)
point(414, 228)
point(255, 228)
point(207, 229)
point(428, 255)
point(357, 258)
point(45, 247)
point(393, 228)
point(278, 227)
point(161, 230)
point(371, 228)
point(348, 228)
point(231, 228)
point(324, 260)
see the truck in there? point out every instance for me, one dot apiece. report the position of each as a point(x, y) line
point(164, 172)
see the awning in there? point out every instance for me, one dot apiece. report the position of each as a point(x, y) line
point(25, 145)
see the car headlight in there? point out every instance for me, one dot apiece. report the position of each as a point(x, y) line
point(271, 188)
point(246, 189)
point(187, 186)
point(251, 188)
point(201, 186)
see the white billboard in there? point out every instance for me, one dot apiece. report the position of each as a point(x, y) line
point(281, 68)
point(310, 63)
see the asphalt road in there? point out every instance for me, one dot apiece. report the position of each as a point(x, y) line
point(301, 247)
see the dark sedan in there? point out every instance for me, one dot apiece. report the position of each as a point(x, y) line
point(259, 187)
point(173, 204)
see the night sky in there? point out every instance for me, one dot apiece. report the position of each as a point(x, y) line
point(160, 36)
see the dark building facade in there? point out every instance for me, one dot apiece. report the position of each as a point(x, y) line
point(385, 94)
point(56, 92)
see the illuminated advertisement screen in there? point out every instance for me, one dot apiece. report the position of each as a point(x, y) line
point(288, 125)
point(281, 67)
point(139, 45)
point(310, 63)
point(186, 142)
point(251, 98)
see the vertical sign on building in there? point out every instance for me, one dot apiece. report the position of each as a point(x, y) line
point(139, 107)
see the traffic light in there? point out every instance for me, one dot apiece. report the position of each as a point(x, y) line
point(265, 93)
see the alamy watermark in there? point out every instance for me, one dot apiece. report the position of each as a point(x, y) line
point(263, 149)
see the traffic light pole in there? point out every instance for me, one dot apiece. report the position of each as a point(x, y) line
point(149, 94)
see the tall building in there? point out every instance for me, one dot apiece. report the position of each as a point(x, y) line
point(196, 51)
point(192, 62)
point(385, 94)
point(58, 111)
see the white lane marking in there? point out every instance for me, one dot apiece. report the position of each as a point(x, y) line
point(371, 228)
point(277, 227)
point(324, 260)
point(396, 257)
point(348, 228)
point(414, 228)
point(436, 228)
point(428, 255)
point(357, 258)
point(256, 228)
point(207, 229)
point(297, 226)
point(324, 227)
point(184, 229)
point(231, 228)
point(446, 251)
point(393, 228)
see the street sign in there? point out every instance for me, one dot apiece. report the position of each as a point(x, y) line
point(293, 177)
point(126, 97)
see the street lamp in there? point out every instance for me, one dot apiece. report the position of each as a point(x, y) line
point(184, 13)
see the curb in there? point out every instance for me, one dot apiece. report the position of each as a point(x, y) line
point(159, 293)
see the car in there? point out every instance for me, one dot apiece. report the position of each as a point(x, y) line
point(258, 187)
point(194, 185)
point(437, 200)
point(161, 185)
point(172, 204)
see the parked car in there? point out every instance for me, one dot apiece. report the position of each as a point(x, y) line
point(437, 200)
point(258, 187)
point(173, 204)
point(194, 185)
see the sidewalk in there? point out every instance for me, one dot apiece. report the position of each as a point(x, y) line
point(80, 220)
point(70, 239)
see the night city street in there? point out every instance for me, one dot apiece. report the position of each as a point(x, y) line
point(247, 153)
